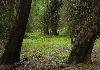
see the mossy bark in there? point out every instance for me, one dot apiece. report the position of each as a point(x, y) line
point(82, 48)
point(13, 47)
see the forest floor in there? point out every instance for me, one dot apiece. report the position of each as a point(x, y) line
point(51, 53)
point(47, 63)
point(42, 61)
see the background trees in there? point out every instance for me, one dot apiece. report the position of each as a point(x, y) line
point(36, 15)
point(51, 17)
point(44, 13)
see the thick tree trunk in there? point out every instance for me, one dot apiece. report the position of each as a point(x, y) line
point(84, 29)
point(13, 47)
point(82, 48)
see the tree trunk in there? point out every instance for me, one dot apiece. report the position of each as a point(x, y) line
point(82, 48)
point(54, 23)
point(84, 29)
point(46, 29)
point(13, 47)
point(54, 31)
point(55, 6)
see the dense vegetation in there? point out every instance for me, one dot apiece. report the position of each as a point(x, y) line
point(49, 31)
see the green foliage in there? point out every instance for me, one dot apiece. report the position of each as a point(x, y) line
point(42, 41)
point(36, 15)
point(38, 10)
point(6, 17)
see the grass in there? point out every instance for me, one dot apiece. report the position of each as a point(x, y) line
point(46, 46)
point(96, 51)
point(59, 41)
point(36, 46)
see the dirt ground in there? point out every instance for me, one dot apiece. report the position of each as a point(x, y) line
point(46, 64)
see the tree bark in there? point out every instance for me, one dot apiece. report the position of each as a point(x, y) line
point(84, 29)
point(13, 47)
point(82, 48)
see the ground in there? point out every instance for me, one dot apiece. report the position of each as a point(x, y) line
point(50, 53)
point(49, 64)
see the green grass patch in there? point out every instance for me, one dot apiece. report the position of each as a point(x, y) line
point(46, 46)
point(59, 41)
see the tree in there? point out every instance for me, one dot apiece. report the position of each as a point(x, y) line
point(51, 17)
point(6, 15)
point(36, 15)
point(86, 15)
point(13, 47)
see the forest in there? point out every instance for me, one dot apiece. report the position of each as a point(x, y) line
point(49, 35)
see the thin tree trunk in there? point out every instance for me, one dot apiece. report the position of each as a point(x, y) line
point(54, 31)
point(46, 29)
point(13, 47)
